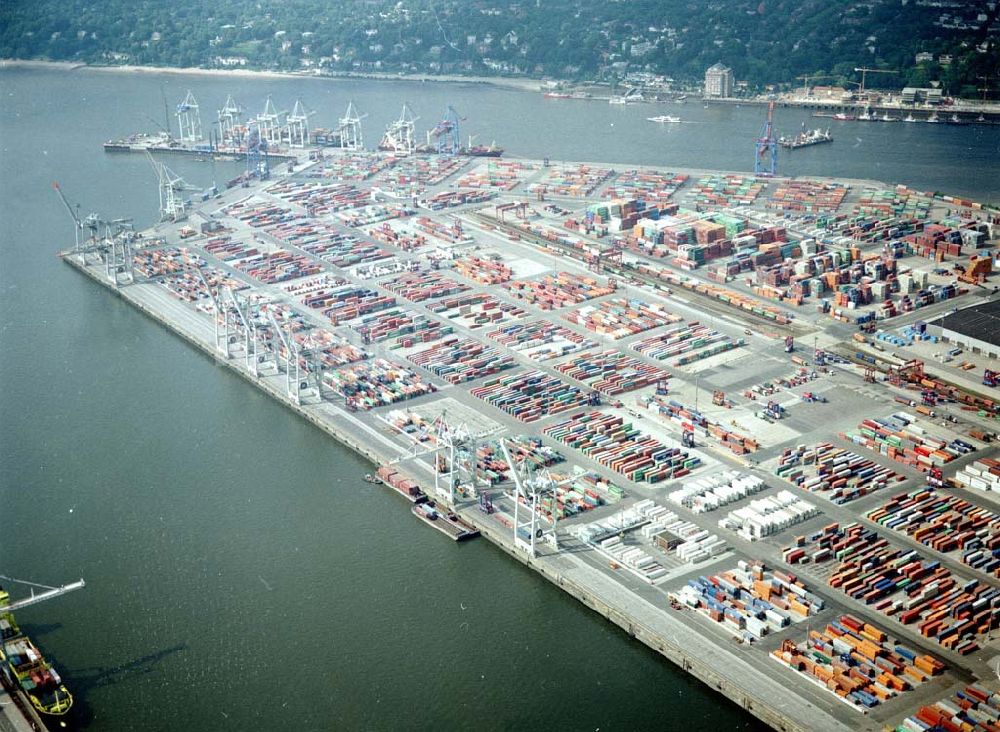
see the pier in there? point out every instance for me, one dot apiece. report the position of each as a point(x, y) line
point(300, 284)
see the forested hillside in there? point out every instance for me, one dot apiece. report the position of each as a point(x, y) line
point(764, 42)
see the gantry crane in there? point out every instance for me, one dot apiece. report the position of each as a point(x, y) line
point(766, 147)
point(230, 122)
point(399, 134)
point(298, 125)
point(351, 137)
point(446, 132)
point(531, 490)
point(189, 119)
point(172, 206)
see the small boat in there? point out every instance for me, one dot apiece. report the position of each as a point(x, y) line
point(556, 95)
point(980, 118)
point(933, 119)
point(866, 116)
point(909, 118)
point(955, 120)
point(886, 118)
point(664, 118)
point(842, 117)
point(369, 478)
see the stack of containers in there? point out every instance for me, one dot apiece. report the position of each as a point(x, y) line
point(686, 344)
point(448, 199)
point(541, 340)
point(345, 303)
point(420, 286)
point(556, 291)
point(707, 494)
point(340, 250)
point(837, 474)
point(945, 524)
point(900, 438)
point(387, 234)
point(751, 600)
point(320, 198)
point(619, 446)
point(457, 360)
point(407, 328)
point(531, 396)
point(982, 475)
point(617, 318)
point(974, 709)
point(484, 271)
point(767, 516)
point(857, 662)
point(611, 372)
point(947, 608)
point(475, 310)
point(377, 383)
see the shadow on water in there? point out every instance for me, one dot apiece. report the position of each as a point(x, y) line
point(95, 677)
point(38, 630)
point(85, 680)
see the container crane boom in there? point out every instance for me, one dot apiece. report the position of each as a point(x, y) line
point(50, 592)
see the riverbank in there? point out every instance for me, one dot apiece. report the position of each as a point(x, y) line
point(497, 81)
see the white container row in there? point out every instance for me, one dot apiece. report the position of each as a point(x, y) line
point(633, 557)
point(978, 476)
point(767, 516)
point(708, 493)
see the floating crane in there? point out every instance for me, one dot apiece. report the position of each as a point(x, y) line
point(399, 134)
point(351, 137)
point(446, 132)
point(766, 147)
point(189, 119)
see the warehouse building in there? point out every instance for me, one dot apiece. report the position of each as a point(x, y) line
point(975, 328)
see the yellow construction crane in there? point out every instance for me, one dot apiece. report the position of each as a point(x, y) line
point(807, 77)
point(865, 71)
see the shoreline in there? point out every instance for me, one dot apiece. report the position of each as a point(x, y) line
point(533, 85)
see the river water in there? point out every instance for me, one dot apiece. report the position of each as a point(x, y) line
point(239, 573)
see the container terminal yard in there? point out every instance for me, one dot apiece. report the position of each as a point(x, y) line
point(714, 407)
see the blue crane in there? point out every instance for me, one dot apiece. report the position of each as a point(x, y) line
point(766, 147)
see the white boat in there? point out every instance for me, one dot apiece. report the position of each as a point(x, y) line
point(886, 118)
point(909, 118)
point(933, 119)
point(664, 118)
point(866, 116)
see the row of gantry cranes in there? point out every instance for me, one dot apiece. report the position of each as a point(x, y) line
point(274, 128)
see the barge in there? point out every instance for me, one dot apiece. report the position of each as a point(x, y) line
point(448, 523)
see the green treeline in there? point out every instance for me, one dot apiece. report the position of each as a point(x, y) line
point(769, 42)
